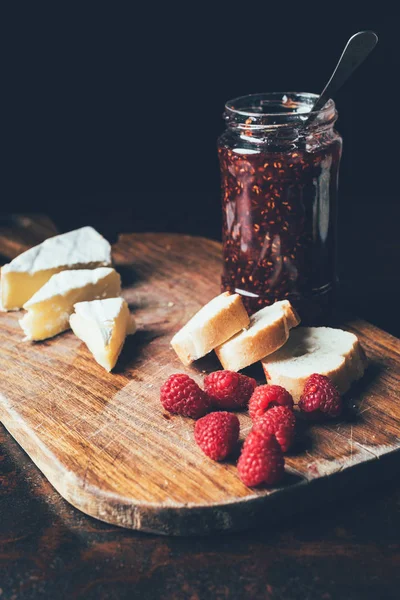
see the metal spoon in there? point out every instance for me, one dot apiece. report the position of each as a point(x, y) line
point(355, 52)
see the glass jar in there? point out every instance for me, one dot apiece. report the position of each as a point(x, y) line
point(279, 167)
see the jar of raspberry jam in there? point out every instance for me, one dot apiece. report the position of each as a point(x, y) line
point(279, 167)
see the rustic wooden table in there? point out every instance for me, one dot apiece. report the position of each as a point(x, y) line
point(345, 550)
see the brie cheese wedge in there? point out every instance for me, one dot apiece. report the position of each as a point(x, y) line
point(50, 308)
point(83, 248)
point(103, 325)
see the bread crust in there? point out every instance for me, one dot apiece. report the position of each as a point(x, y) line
point(349, 368)
point(201, 335)
point(258, 340)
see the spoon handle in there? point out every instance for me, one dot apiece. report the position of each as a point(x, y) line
point(356, 51)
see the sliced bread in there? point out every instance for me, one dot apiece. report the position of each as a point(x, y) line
point(332, 352)
point(215, 323)
point(268, 331)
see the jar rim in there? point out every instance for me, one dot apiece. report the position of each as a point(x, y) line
point(251, 107)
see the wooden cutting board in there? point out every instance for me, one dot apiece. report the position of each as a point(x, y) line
point(104, 441)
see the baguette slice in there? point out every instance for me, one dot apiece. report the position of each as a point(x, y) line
point(332, 352)
point(215, 323)
point(268, 331)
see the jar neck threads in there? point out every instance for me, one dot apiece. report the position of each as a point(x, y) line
point(278, 115)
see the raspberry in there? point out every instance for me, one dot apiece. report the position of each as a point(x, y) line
point(280, 422)
point(320, 397)
point(261, 460)
point(180, 394)
point(217, 434)
point(229, 390)
point(266, 397)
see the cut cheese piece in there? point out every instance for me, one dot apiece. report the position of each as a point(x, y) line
point(103, 325)
point(50, 308)
point(215, 323)
point(268, 331)
point(335, 353)
point(83, 248)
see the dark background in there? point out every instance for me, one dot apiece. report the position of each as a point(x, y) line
point(112, 119)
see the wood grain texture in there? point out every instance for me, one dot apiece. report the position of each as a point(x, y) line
point(106, 445)
point(346, 550)
point(20, 232)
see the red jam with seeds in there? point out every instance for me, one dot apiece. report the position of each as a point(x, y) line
point(279, 168)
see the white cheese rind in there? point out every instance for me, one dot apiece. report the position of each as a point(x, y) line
point(64, 282)
point(50, 308)
point(83, 248)
point(103, 325)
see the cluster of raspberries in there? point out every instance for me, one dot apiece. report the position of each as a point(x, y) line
point(271, 410)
